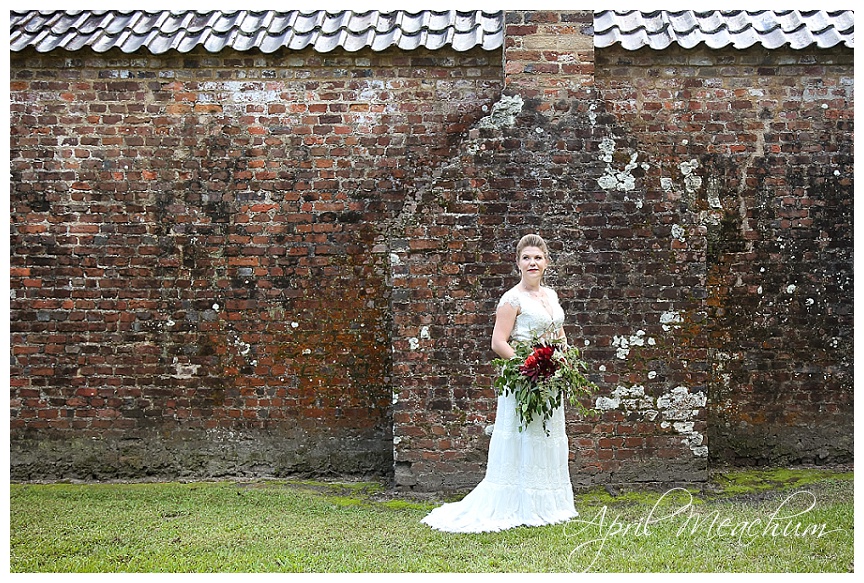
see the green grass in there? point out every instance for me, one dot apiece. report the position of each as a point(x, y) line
point(293, 526)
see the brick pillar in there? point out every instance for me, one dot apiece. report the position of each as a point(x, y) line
point(549, 55)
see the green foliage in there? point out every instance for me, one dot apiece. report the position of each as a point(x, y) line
point(284, 526)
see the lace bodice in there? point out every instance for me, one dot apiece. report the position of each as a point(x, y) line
point(533, 318)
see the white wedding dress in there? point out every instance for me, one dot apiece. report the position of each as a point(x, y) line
point(527, 479)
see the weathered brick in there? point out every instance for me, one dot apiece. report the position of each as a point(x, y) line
point(273, 266)
point(753, 228)
point(220, 188)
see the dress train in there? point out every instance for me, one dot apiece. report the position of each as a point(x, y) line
point(527, 481)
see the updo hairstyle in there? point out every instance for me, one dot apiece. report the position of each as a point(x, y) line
point(532, 240)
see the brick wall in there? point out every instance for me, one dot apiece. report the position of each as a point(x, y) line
point(199, 254)
point(761, 142)
point(267, 265)
point(563, 168)
point(698, 203)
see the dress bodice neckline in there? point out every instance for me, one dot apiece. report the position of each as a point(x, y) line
point(533, 317)
point(547, 305)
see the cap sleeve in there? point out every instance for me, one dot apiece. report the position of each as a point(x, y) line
point(510, 297)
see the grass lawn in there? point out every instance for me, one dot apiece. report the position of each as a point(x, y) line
point(756, 521)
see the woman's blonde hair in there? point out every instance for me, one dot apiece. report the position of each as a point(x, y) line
point(532, 240)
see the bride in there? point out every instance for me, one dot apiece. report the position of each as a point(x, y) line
point(527, 479)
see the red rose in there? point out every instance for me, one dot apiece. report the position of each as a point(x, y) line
point(539, 364)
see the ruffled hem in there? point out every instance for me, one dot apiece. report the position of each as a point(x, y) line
point(493, 507)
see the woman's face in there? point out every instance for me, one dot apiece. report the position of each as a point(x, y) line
point(532, 263)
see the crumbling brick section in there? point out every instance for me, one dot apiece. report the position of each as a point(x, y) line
point(756, 146)
point(199, 254)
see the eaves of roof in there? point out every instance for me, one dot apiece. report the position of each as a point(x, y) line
point(265, 30)
point(724, 28)
point(324, 31)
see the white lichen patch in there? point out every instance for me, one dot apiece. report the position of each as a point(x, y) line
point(503, 113)
point(713, 192)
point(692, 181)
point(681, 404)
point(671, 320)
point(720, 360)
point(623, 348)
point(185, 370)
point(413, 343)
point(680, 407)
point(623, 344)
point(606, 404)
point(666, 184)
point(638, 339)
point(676, 409)
point(592, 116)
point(244, 347)
point(245, 350)
point(424, 333)
point(607, 149)
point(678, 232)
point(631, 399)
point(613, 179)
point(634, 398)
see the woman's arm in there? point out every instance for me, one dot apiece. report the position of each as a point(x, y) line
point(505, 319)
point(562, 337)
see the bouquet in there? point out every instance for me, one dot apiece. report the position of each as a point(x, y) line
point(540, 375)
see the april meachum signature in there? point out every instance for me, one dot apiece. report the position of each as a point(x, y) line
point(780, 523)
